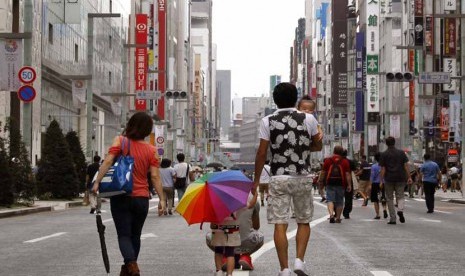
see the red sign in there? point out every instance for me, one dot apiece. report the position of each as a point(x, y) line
point(450, 38)
point(141, 59)
point(161, 56)
point(444, 123)
point(27, 74)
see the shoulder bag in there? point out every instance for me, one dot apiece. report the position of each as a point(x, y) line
point(119, 178)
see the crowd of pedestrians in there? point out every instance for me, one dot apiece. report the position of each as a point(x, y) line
point(282, 182)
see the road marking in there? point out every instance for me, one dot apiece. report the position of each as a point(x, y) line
point(443, 212)
point(241, 273)
point(419, 199)
point(107, 220)
point(430, 220)
point(381, 273)
point(270, 245)
point(148, 235)
point(46, 237)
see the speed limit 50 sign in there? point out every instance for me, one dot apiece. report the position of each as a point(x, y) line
point(27, 74)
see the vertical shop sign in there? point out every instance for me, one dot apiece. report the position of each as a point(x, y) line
point(450, 66)
point(429, 35)
point(450, 5)
point(454, 116)
point(161, 56)
point(141, 59)
point(450, 38)
point(359, 107)
point(444, 124)
point(419, 8)
point(339, 59)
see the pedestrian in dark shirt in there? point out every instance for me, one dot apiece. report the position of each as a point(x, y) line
point(364, 185)
point(348, 195)
point(430, 175)
point(394, 176)
point(92, 169)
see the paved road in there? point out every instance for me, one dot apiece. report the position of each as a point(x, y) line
point(66, 243)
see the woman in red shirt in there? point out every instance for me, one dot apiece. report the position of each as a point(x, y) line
point(130, 211)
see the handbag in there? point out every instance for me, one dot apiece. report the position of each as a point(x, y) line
point(119, 178)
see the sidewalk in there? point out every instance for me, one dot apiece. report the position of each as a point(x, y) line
point(40, 206)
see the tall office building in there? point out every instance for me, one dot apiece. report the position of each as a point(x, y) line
point(223, 90)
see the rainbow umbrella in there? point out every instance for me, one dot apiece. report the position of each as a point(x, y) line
point(214, 196)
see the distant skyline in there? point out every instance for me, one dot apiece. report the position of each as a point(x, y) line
point(253, 41)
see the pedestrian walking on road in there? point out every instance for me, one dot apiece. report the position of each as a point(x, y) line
point(263, 187)
point(394, 176)
point(454, 178)
point(349, 194)
point(336, 176)
point(288, 133)
point(376, 190)
point(130, 211)
point(168, 175)
point(364, 186)
point(430, 174)
point(184, 175)
point(92, 169)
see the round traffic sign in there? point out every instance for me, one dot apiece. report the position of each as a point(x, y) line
point(161, 151)
point(26, 93)
point(160, 140)
point(27, 74)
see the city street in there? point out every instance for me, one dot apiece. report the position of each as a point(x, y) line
point(66, 243)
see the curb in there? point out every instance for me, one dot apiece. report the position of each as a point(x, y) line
point(22, 212)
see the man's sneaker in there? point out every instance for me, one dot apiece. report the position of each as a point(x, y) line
point(401, 216)
point(385, 214)
point(392, 222)
point(299, 267)
point(285, 272)
point(246, 262)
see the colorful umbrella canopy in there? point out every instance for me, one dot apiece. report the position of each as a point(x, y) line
point(214, 196)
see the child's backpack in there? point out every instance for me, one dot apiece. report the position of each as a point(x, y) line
point(335, 172)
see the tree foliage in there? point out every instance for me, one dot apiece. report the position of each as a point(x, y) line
point(6, 182)
point(78, 157)
point(24, 185)
point(57, 174)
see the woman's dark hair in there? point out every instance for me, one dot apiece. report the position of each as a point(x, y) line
point(181, 157)
point(139, 126)
point(165, 163)
point(285, 95)
point(305, 98)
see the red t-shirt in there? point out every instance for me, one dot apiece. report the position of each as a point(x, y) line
point(145, 156)
point(344, 164)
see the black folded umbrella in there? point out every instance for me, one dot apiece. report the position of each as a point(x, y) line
point(101, 232)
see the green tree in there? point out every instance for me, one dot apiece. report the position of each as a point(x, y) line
point(24, 185)
point(6, 183)
point(78, 156)
point(57, 174)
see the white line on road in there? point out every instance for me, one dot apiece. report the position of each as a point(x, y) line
point(443, 212)
point(419, 199)
point(107, 220)
point(148, 235)
point(46, 237)
point(430, 220)
point(381, 273)
point(270, 245)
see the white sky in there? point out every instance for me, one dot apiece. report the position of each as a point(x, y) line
point(253, 40)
